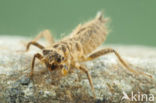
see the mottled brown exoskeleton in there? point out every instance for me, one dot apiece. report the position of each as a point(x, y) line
point(76, 48)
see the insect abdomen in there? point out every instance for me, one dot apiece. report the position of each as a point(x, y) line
point(92, 34)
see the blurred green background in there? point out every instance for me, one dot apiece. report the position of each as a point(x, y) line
point(132, 21)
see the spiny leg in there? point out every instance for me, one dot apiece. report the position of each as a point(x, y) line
point(35, 44)
point(38, 56)
point(47, 35)
point(110, 50)
point(84, 69)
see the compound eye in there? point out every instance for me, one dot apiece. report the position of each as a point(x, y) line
point(58, 60)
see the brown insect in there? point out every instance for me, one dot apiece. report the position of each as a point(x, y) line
point(76, 48)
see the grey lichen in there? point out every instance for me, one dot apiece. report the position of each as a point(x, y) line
point(110, 79)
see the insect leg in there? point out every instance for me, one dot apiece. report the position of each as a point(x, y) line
point(38, 56)
point(35, 44)
point(110, 50)
point(47, 35)
point(84, 69)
